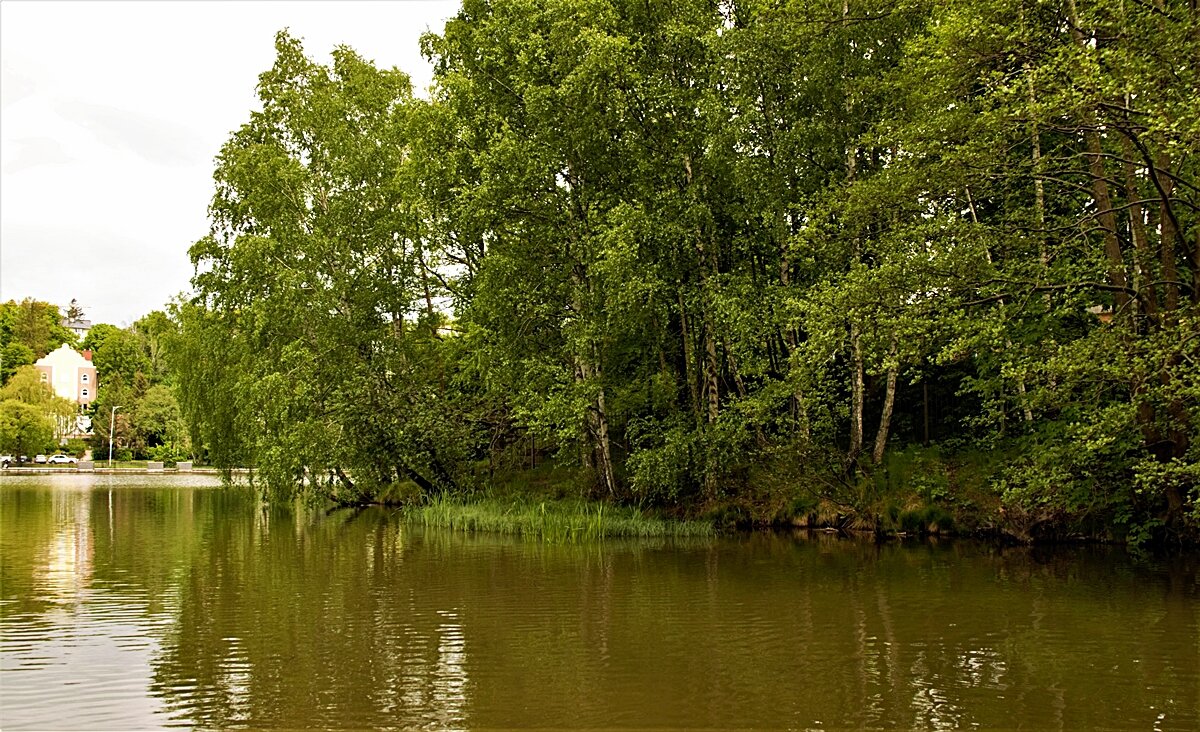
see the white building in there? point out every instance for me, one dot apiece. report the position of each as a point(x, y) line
point(79, 327)
point(70, 374)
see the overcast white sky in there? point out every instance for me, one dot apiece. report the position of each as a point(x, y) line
point(113, 113)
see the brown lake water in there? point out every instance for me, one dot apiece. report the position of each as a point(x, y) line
point(140, 602)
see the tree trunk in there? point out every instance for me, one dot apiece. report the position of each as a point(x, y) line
point(800, 409)
point(345, 480)
point(1099, 183)
point(689, 360)
point(404, 472)
point(603, 447)
point(856, 400)
point(1169, 234)
point(1141, 243)
point(856, 355)
point(1039, 187)
point(597, 454)
point(711, 372)
point(885, 419)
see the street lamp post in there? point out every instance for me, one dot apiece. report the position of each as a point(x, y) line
point(112, 420)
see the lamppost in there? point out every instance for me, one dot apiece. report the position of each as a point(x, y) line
point(112, 420)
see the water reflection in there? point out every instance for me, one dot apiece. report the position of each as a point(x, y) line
point(450, 675)
point(174, 605)
point(67, 566)
point(79, 634)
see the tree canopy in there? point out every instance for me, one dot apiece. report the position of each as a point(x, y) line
point(29, 330)
point(732, 253)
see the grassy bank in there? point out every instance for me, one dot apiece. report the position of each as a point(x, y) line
point(914, 491)
point(553, 520)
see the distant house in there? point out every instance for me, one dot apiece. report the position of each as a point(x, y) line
point(79, 327)
point(70, 374)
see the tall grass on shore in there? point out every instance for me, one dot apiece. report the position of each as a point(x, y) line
point(557, 521)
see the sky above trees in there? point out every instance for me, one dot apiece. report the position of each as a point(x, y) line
point(112, 114)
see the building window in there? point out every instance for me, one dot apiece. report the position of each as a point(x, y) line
point(84, 393)
point(85, 378)
point(45, 377)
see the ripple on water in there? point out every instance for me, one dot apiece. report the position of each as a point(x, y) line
point(87, 668)
point(187, 609)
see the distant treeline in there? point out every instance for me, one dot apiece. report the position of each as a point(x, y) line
point(754, 256)
point(135, 391)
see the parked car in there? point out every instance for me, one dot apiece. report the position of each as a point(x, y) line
point(61, 459)
point(40, 459)
point(6, 460)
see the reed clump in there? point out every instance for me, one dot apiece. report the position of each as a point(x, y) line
point(558, 521)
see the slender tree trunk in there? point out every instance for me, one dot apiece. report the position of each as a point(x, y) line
point(662, 352)
point(1026, 410)
point(597, 453)
point(1169, 235)
point(587, 447)
point(689, 359)
point(785, 278)
point(709, 282)
point(711, 373)
point(425, 274)
point(603, 447)
point(889, 403)
point(731, 361)
point(1099, 183)
point(856, 355)
point(1039, 187)
point(856, 395)
point(1141, 243)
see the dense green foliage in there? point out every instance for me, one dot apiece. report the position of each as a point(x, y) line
point(24, 429)
point(703, 250)
point(32, 418)
point(29, 330)
point(132, 375)
point(131, 365)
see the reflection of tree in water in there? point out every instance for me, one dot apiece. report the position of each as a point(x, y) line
point(299, 620)
point(351, 620)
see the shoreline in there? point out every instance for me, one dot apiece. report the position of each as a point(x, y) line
point(539, 514)
point(117, 471)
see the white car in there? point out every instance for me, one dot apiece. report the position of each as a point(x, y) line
point(39, 459)
point(61, 460)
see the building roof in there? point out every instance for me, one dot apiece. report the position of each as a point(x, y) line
point(64, 355)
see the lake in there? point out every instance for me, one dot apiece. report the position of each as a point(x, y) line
point(135, 602)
